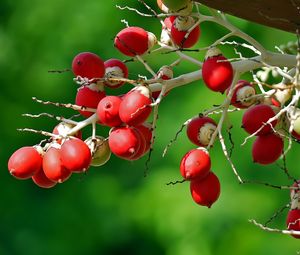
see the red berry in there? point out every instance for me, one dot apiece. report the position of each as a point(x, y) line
point(200, 130)
point(165, 36)
point(75, 155)
point(42, 181)
point(88, 65)
point(217, 73)
point(115, 68)
point(293, 221)
point(132, 41)
point(145, 130)
point(180, 32)
point(124, 142)
point(242, 91)
point(141, 151)
point(24, 163)
point(108, 111)
point(52, 166)
point(266, 149)
point(87, 97)
point(296, 135)
point(195, 164)
point(255, 117)
point(168, 22)
point(135, 106)
point(205, 191)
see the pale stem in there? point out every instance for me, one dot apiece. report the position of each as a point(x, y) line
point(69, 121)
point(226, 105)
point(41, 132)
point(235, 30)
point(84, 123)
point(228, 158)
point(71, 106)
point(245, 45)
point(148, 68)
point(241, 67)
point(286, 232)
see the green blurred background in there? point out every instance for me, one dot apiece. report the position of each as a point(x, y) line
point(114, 209)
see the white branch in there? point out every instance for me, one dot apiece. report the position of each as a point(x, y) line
point(241, 67)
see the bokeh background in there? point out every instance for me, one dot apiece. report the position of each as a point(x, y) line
point(114, 209)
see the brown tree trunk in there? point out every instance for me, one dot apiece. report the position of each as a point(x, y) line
point(281, 14)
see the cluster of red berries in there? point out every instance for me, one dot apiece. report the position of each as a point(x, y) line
point(195, 165)
point(268, 145)
point(66, 153)
point(55, 165)
point(130, 136)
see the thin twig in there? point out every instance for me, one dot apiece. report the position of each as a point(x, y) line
point(175, 182)
point(70, 106)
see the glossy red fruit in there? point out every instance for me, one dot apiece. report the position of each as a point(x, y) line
point(86, 97)
point(145, 130)
point(205, 191)
point(242, 91)
point(142, 140)
point(256, 116)
point(75, 155)
point(195, 164)
point(168, 22)
point(52, 166)
point(132, 41)
point(200, 130)
point(115, 68)
point(296, 135)
point(180, 32)
point(25, 162)
point(135, 107)
point(124, 142)
point(108, 111)
point(217, 72)
point(88, 65)
point(266, 149)
point(63, 129)
point(293, 221)
point(41, 180)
